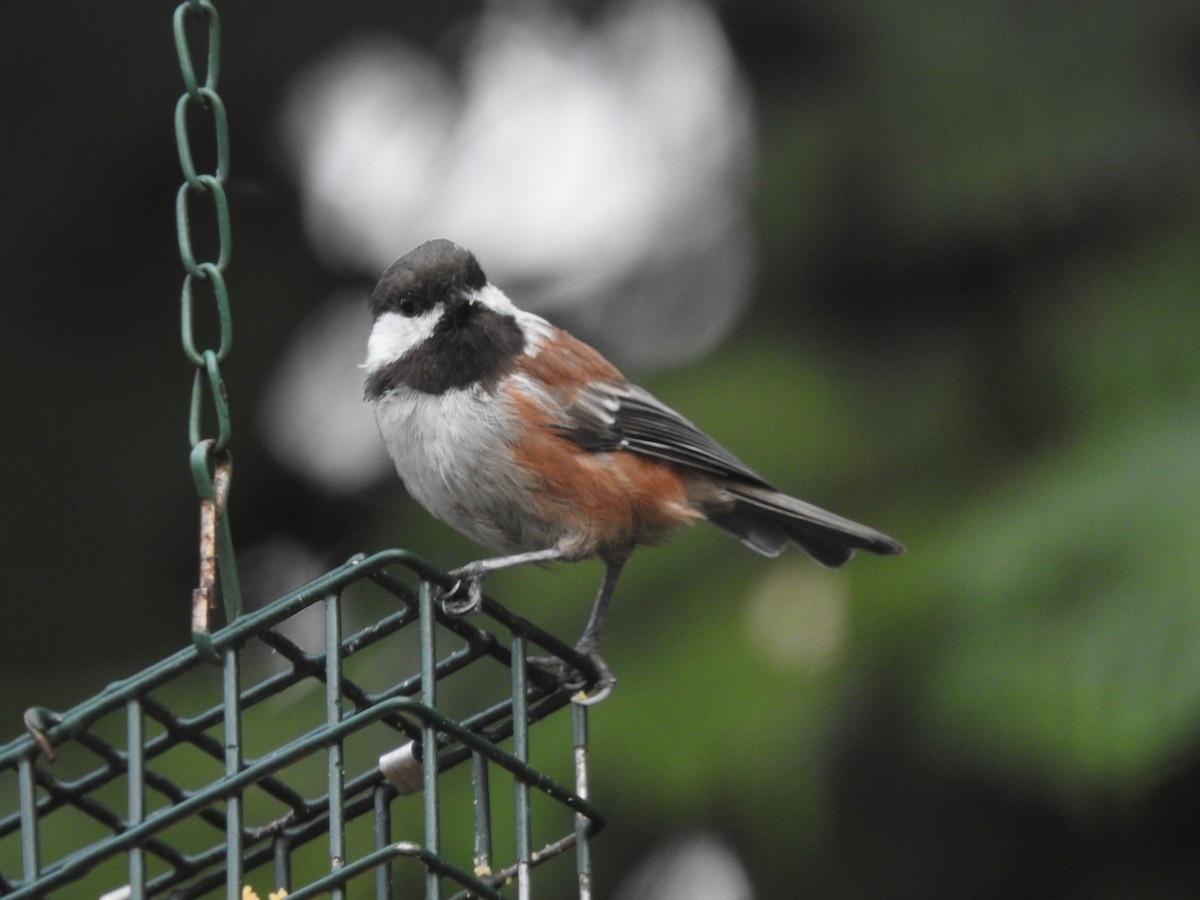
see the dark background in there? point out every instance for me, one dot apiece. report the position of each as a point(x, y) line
point(974, 327)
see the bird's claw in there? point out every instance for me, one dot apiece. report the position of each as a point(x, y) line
point(577, 682)
point(598, 695)
point(464, 598)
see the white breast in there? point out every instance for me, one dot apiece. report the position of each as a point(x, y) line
point(450, 450)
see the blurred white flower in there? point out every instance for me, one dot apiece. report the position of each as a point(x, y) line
point(313, 416)
point(599, 172)
point(366, 131)
point(797, 616)
point(585, 159)
point(700, 867)
point(272, 568)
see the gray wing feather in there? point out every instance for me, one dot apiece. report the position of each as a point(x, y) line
point(625, 417)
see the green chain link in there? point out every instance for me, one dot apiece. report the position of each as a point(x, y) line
point(210, 459)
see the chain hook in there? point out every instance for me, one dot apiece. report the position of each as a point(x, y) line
point(212, 470)
point(210, 459)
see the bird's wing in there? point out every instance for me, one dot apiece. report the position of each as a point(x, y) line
point(599, 411)
point(609, 415)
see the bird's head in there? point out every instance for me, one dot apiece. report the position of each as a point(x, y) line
point(438, 325)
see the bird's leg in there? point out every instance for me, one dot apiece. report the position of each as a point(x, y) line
point(466, 596)
point(589, 642)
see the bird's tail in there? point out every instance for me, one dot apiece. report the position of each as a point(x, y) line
point(766, 520)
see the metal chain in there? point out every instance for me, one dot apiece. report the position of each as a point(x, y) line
point(210, 458)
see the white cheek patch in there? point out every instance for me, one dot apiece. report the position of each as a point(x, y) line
point(494, 298)
point(393, 335)
point(535, 328)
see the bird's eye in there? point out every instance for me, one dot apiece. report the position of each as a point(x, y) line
point(408, 307)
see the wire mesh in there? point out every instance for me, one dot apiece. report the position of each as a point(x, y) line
point(191, 779)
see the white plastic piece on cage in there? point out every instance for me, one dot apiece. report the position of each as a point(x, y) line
point(402, 767)
point(121, 893)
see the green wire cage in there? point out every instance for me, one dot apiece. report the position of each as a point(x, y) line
point(311, 748)
point(314, 746)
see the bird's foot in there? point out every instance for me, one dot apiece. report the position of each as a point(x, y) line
point(576, 681)
point(465, 597)
point(604, 685)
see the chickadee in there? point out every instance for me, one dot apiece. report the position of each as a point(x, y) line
point(528, 441)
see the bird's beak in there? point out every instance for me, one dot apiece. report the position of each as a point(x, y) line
point(463, 295)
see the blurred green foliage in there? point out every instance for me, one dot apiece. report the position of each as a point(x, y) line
point(975, 329)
